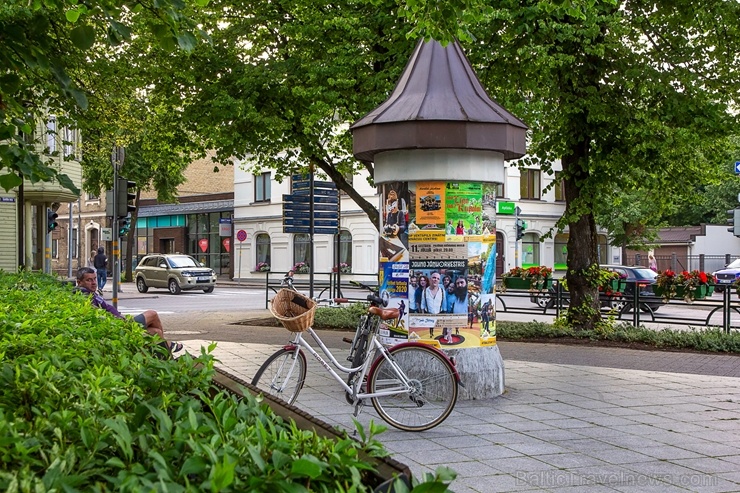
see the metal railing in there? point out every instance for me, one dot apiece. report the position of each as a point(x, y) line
point(632, 308)
point(674, 262)
point(326, 285)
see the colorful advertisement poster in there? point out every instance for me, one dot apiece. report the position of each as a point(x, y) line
point(463, 210)
point(394, 237)
point(394, 282)
point(430, 199)
point(438, 258)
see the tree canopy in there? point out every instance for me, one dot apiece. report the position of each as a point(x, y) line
point(626, 95)
point(46, 47)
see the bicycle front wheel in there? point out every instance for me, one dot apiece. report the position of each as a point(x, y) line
point(282, 375)
point(433, 390)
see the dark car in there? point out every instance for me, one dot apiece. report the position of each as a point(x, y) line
point(728, 275)
point(636, 276)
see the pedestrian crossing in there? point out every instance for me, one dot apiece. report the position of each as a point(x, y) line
point(136, 311)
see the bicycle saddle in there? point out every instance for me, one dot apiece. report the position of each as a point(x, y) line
point(384, 313)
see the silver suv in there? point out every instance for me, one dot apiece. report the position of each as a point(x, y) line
point(175, 272)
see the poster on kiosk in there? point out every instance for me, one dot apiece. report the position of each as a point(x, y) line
point(437, 263)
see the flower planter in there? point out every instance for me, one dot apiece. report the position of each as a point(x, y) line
point(614, 286)
point(527, 283)
point(698, 293)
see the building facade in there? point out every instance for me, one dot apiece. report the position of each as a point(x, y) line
point(25, 237)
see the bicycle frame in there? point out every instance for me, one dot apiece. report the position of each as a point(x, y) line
point(300, 343)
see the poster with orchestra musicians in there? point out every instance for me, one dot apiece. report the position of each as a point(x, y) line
point(441, 240)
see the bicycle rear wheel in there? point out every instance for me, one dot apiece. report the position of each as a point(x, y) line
point(282, 375)
point(433, 394)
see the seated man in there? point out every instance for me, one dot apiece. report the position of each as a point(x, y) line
point(87, 283)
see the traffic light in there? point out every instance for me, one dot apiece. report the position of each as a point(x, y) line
point(520, 227)
point(733, 220)
point(125, 190)
point(51, 220)
point(124, 224)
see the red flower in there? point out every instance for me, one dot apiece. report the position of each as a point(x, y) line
point(702, 277)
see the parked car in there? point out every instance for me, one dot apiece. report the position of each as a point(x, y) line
point(637, 275)
point(727, 276)
point(173, 272)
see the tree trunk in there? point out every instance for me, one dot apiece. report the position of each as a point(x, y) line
point(343, 185)
point(584, 310)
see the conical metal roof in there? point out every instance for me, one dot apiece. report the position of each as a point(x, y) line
point(439, 103)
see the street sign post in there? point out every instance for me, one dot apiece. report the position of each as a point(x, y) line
point(737, 167)
point(241, 235)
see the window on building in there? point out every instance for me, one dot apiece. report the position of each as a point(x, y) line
point(262, 187)
point(301, 246)
point(499, 190)
point(602, 245)
point(27, 138)
point(69, 143)
point(54, 248)
point(93, 196)
point(51, 134)
point(529, 184)
point(75, 243)
point(345, 248)
point(561, 251)
point(263, 248)
point(530, 250)
point(559, 188)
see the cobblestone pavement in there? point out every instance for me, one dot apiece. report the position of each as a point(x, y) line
point(572, 419)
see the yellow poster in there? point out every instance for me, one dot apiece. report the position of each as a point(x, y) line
point(430, 211)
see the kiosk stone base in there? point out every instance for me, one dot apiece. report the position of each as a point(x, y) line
point(481, 370)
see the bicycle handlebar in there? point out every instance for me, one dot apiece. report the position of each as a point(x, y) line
point(372, 298)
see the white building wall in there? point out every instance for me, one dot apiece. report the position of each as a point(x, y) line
point(717, 241)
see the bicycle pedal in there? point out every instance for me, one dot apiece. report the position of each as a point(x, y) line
point(347, 340)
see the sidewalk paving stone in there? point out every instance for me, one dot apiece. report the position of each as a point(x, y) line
point(559, 427)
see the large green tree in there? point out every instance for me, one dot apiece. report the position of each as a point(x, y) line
point(46, 47)
point(623, 93)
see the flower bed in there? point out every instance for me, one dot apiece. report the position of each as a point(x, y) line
point(300, 268)
point(262, 267)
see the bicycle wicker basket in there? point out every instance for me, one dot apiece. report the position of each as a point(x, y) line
point(294, 310)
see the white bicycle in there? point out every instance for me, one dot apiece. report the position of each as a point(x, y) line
point(412, 386)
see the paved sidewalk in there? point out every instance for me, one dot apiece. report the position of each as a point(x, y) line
point(572, 419)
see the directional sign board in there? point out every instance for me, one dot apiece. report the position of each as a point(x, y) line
point(307, 230)
point(301, 184)
point(317, 191)
point(737, 167)
point(290, 206)
point(327, 223)
point(297, 207)
point(305, 199)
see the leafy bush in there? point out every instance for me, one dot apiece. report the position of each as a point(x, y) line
point(339, 317)
point(699, 339)
point(86, 405)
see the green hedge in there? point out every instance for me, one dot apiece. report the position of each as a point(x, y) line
point(89, 403)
